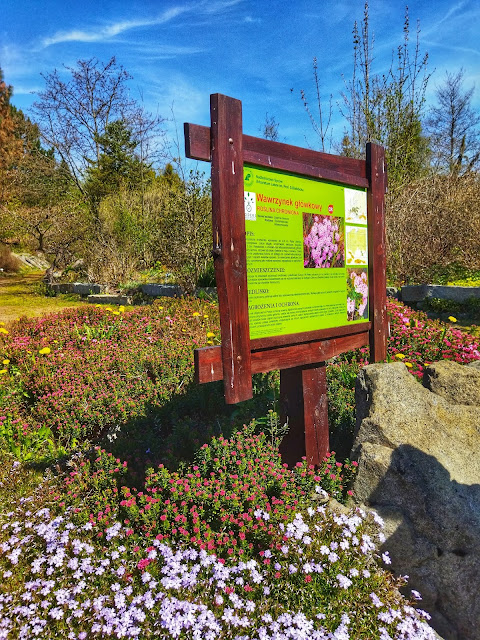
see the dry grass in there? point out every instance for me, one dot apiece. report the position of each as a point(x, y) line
point(8, 262)
point(432, 223)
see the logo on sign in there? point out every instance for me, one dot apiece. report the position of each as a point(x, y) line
point(330, 208)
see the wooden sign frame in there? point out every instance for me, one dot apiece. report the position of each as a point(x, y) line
point(300, 357)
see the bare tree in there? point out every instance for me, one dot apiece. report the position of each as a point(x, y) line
point(321, 122)
point(454, 127)
point(73, 114)
point(269, 129)
point(387, 108)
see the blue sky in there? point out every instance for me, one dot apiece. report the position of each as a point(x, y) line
point(179, 52)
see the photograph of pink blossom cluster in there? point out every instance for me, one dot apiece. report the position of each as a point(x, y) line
point(357, 294)
point(324, 241)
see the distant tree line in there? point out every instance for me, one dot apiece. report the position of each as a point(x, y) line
point(79, 178)
point(432, 152)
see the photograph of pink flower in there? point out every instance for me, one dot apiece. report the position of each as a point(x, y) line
point(357, 294)
point(323, 242)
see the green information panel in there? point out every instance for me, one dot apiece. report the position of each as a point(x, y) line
point(307, 254)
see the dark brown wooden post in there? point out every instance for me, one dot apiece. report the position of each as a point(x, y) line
point(229, 246)
point(376, 174)
point(303, 401)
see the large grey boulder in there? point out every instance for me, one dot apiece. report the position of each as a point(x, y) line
point(419, 468)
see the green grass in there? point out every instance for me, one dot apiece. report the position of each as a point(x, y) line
point(20, 295)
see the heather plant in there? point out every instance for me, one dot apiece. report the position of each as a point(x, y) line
point(84, 371)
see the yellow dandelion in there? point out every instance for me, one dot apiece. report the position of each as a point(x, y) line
point(452, 319)
point(6, 361)
point(195, 313)
point(3, 371)
point(210, 334)
point(45, 351)
point(98, 306)
point(408, 364)
point(2, 330)
point(400, 356)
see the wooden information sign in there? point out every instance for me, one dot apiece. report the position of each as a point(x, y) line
point(299, 252)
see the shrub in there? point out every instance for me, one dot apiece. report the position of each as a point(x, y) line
point(319, 580)
point(87, 370)
point(8, 262)
point(431, 224)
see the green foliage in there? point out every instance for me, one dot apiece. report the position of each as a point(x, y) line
point(118, 166)
point(184, 232)
point(341, 377)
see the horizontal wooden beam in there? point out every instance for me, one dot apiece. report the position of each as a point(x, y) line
point(308, 336)
point(208, 360)
point(283, 157)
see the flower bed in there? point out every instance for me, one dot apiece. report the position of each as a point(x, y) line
point(230, 545)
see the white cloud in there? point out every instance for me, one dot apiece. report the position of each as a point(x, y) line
point(107, 32)
point(114, 29)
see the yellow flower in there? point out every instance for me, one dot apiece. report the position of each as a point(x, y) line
point(116, 313)
point(1, 324)
point(45, 351)
point(195, 313)
point(98, 305)
point(121, 308)
point(210, 334)
point(408, 364)
point(209, 342)
point(3, 371)
point(400, 356)
point(2, 330)
point(452, 319)
point(205, 316)
point(6, 361)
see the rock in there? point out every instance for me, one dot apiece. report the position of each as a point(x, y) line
point(159, 290)
point(393, 292)
point(456, 383)
point(37, 262)
point(419, 469)
point(416, 293)
point(86, 288)
point(61, 287)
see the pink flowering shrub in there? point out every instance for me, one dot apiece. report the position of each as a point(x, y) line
point(85, 370)
point(230, 501)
